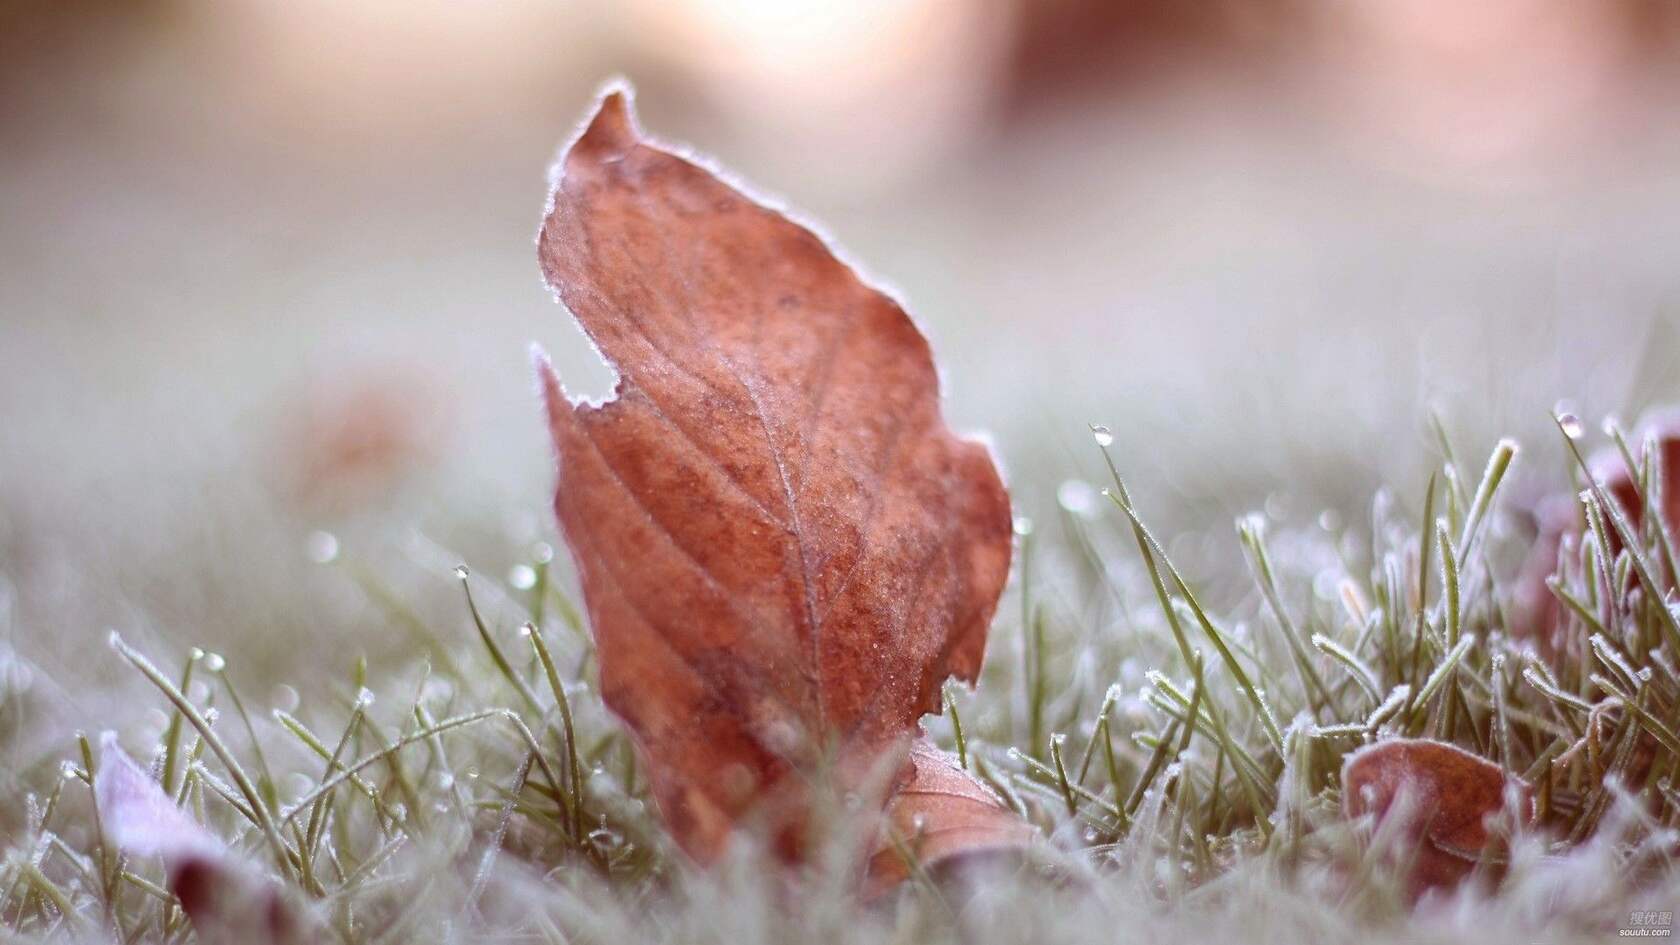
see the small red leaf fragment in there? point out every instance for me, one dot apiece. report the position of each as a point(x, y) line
point(140, 818)
point(783, 549)
point(1447, 795)
point(941, 818)
point(226, 898)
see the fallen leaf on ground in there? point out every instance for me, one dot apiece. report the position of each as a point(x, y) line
point(942, 819)
point(226, 898)
point(783, 549)
point(1447, 797)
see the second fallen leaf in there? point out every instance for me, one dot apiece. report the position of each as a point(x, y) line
point(1447, 797)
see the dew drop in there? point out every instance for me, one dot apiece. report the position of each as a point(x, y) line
point(195, 654)
point(285, 698)
point(214, 662)
point(321, 547)
point(1570, 424)
point(364, 698)
point(1103, 435)
point(528, 629)
point(461, 572)
point(1023, 525)
point(542, 552)
point(523, 576)
point(1076, 497)
point(1326, 583)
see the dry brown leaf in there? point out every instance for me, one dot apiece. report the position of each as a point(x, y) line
point(1449, 797)
point(783, 549)
point(942, 818)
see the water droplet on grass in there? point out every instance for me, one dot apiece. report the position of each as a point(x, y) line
point(1103, 435)
point(1023, 525)
point(321, 547)
point(523, 576)
point(461, 572)
point(1571, 425)
point(285, 698)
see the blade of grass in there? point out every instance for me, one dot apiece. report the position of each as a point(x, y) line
point(260, 813)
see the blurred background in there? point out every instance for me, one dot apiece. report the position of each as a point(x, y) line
point(267, 272)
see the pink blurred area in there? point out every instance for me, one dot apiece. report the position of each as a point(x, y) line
point(241, 241)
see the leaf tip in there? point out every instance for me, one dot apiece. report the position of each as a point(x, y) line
point(541, 363)
point(611, 131)
point(548, 380)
